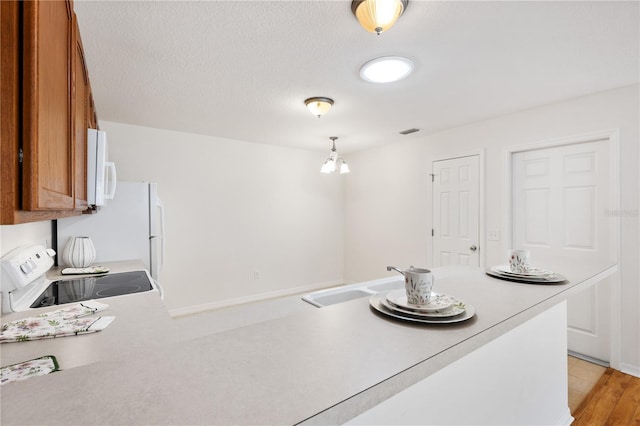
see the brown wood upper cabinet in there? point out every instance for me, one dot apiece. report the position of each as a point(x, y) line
point(47, 107)
point(81, 107)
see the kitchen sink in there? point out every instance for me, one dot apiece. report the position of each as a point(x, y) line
point(387, 286)
point(339, 297)
point(332, 296)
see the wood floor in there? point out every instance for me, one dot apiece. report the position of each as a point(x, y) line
point(583, 376)
point(613, 400)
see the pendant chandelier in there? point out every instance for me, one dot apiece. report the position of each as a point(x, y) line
point(377, 16)
point(334, 162)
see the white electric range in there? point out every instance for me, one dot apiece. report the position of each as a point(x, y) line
point(24, 283)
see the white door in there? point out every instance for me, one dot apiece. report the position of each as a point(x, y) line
point(456, 220)
point(560, 199)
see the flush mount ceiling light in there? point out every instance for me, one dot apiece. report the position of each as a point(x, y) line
point(334, 162)
point(386, 69)
point(377, 16)
point(319, 105)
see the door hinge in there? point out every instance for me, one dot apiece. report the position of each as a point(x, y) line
point(20, 156)
point(433, 177)
point(433, 234)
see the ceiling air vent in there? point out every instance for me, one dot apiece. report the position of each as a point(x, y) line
point(409, 131)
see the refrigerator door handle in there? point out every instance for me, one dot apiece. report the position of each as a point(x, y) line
point(160, 207)
point(159, 287)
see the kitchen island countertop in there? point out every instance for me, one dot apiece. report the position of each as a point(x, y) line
point(323, 366)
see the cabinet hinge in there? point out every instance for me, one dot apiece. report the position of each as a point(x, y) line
point(20, 156)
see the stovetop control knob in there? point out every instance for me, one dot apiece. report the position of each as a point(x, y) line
point(26, 267)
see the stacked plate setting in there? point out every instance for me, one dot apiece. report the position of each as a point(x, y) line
point(441, 309)
point(534, 275)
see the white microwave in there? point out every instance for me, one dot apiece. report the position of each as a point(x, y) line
point(101, 174)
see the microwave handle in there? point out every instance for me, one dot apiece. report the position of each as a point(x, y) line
point(111, 182)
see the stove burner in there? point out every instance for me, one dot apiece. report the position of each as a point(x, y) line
point(95, 287)
point(117, 291)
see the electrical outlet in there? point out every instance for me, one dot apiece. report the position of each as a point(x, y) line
point(256, 275)
point(493, 235)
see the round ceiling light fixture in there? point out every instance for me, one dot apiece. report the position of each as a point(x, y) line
point(377, 16)
point(319, 105)
point(386, 69)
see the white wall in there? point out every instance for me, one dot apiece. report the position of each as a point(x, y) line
point(13, 236)
point(388, 210)
point(234, 208)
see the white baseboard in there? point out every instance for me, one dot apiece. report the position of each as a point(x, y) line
point(252, 298)
point(632, 370)
point(566, 419)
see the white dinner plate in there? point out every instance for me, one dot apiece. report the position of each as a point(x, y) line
point(437, 302)
point(547, 279)
point(455, 309)
point(376, 303)
point(534, 272)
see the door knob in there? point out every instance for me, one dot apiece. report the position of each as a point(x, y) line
point(473, 248)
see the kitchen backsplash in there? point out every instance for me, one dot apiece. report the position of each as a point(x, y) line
point(12, 236)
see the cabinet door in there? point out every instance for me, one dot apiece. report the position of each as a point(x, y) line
point(93, 116)
point(48, 140)
point(10, 129)
point(81, 119)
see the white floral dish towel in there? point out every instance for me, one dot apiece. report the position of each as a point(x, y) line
point(87, 270)
point(69, 321)
point(25, 370)
point(76, 310)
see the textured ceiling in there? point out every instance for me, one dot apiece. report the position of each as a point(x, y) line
point(242, 69)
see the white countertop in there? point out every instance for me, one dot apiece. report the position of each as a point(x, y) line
point(323, 366)
point(145, 310)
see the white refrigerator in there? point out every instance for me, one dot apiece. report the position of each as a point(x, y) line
point(130, 226)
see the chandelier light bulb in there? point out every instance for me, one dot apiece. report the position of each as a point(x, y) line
point(344, 167)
